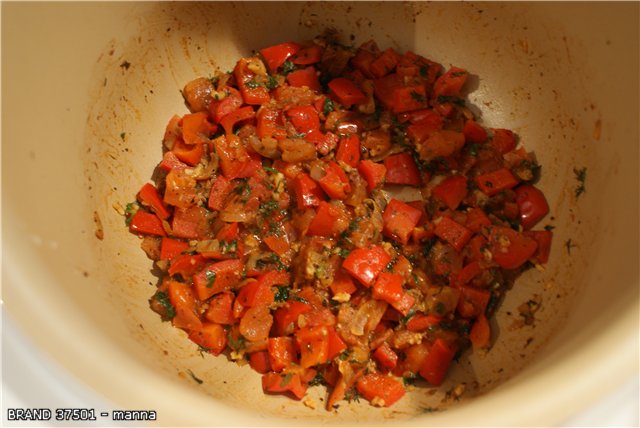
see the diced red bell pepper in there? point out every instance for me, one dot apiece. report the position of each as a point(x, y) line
point(149, 195)
point(480, 334)
point(305, 77)
point(450, 83)
point(284, 382)
point(220, 309)
point(342, 283)
point(402, 169)
point(211, 337)
point(477, 219)
point(453, 232)
point(259, 361)
point(364, 264)
point(313, 343)
point(308, 192)
point(472, 301)
point(377, 385)
point(218, 194)
point(189, 223)
point(171, 248)
point(473, 132)
point(217, 277)
point(269, 123)
point(399, 220)
point(235, 161)
point(275, 56)
point(282, 353)
point(510, 249)
point(308, 55)
point(374, 173)
point(543, 238)
point(303, 118)
point(386, 357)
point(335, 182)
point(388, 287)
point(186, 265)
point(330, 220)
point(336, 344)
point(385, 63)
point(182, 299)
point(188, 153)
point(405, 304)
point(397, 95)
point(532, 205)
point(469, 272)
point(251, 94)
point(196, 129)
point(349, 150)
point(230, 103)
point(170, 162)
point(503, 140)
point(452, 190)
point(496, 181)
point(437, 362)
point(237, 116)
point(286, 317)
point(422, 322)
point(346, 91)
point(147, 224)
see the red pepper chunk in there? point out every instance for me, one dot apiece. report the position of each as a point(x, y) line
point(496, 181)
point(251, 94)
point(171, 248)
point(240, 115)
point(386, 357)
point(150, 196)
point(308, 192)
point(453, 232)
point(374, 173)
point(349, 150)
point(388, 287)
point(402, 169)
point(282, 352)
point(399, 220)
point(217, 277)
point(147, 224)
point(503, 140)
point(284, 382)
point(182, 298)
point(364, 264)
point(346, 92)
point(305, 77)
point(336, 344)
point(330, 220)
point(437, 362)
point(384, 387)
point(532, 205)
point(335, 182)
point(313, 343)
point(543, 238)
point(451, 191)
point(509, 248)
point(211, 337)
point(308, 55)
point(275, 56)
point(305, 119)
point(473, 132)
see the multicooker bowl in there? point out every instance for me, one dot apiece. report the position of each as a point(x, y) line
point(87, 89)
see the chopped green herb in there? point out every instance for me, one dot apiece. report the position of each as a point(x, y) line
point(210, 276)
point(344, 252)
point(229, 247)
point(549, 227)
point(426, 249)
point(440, 308)
point(443, 99)
point(299, 299)
point(286, 379)
point(129, 212)
point(473, 149)
point(252, 84)
point(163, 298)
point(328, 106)
point(409, 379)
point(317, 380)
point(405, 319)
point(272, 83)
point(270, 169)
point(424, 70)
point(344, 355)
point(282, 293)
point(569, 245)
point(288, 67)
point(581, 176)
point(417, 97)
point(194, 377)
point(266, 209)
point(237, 343)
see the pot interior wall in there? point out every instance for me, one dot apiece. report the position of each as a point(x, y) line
point(532, 73)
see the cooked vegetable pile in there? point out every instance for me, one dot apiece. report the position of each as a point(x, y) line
point(336, 216)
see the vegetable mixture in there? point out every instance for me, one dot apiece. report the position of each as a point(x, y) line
point(336, 216)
